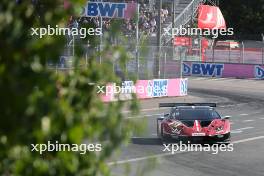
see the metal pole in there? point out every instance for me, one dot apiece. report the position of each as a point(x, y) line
point(73, 45)
point(86, 58)
point(159, 41)
point(173, 14)
point(101, 39)
point(213, 59)
point(201, 49)
point(137, 40)
point(262, 55)
point(164, 65)
point(243, 52)
point(173, 24)
point(229, 55)
point(86, 53)
point(181, 63)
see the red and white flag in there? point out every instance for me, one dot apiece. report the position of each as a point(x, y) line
point(210, 17)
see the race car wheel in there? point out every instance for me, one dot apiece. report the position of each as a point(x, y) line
point(158, 131)
point(161, 131)
point(227, 137)
point(163, 136)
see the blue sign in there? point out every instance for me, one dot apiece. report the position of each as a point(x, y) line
point(105, 9)
point(160, 87)
point(184, 87)
point(259, 72)
point(203, 69)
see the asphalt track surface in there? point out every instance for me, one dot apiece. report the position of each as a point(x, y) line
point(243, 100)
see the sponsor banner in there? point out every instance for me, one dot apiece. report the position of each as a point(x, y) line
point(146, 89)
point(259, 72)
point(183, 87)
point(203, 69)
point(110, 10)
point(223, 70)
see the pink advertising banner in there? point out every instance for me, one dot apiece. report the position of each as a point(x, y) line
point(145, 89)
point(223, 70)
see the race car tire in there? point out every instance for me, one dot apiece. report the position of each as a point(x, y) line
point(163, 136)
point(158, 132)
point(227, 138)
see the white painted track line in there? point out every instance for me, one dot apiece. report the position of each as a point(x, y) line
point(248, 120)
point(240, 130)
point(143, 116)
point(170, 154)
point(248, 139)
point(150, 109)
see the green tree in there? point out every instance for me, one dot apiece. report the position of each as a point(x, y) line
point(246, 17)
point(40, 105)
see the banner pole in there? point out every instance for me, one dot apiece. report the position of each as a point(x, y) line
point(137, 40)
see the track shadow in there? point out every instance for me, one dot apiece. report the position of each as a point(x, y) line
point(158, 141)
point(146, 141)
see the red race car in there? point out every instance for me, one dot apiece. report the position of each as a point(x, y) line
point(193, 121)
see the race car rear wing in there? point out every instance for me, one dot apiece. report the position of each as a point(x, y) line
point(162, 105)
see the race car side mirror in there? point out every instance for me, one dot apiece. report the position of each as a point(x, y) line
point(226, 117)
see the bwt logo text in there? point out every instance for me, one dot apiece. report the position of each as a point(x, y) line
point(259, 72)
point(105, 9)
point(203, 69)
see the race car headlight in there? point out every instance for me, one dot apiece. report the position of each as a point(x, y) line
point(219, 128)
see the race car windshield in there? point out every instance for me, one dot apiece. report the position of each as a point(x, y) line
point(195, 114)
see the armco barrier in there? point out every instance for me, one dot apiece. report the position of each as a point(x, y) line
point(223, 70)
point(146, 89)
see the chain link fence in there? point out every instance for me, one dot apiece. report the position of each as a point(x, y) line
point(149, 63)
point(246, 52)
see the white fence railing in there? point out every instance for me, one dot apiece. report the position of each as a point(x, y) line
point(183, 18)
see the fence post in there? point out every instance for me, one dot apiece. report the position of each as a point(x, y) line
point(229, 55)
point(73, 43)
point(137, 40)
point(164, 65)
point(86, 54)
point(213, 59)
point(262, 55)
point(181, 66)
point(200, 47)
point(243, 52)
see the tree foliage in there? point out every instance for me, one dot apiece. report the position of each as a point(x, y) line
point(246, 17)
point(40, 105)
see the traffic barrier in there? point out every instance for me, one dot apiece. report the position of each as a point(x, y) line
point(145, 89)
point(223, 70)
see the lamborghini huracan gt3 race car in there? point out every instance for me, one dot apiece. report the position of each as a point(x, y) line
point(198, 121)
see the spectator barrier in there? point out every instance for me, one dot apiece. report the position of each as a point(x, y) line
point(223, 70)
point(146, 89)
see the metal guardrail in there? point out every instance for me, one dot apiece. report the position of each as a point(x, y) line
point(183, 18)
